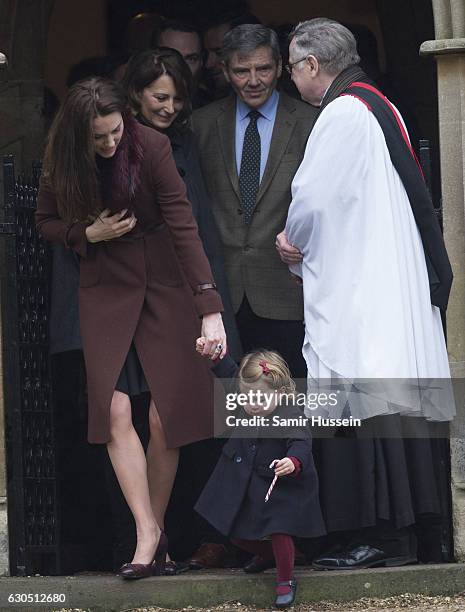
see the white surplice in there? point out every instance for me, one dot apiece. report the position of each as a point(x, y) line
point(368, 313)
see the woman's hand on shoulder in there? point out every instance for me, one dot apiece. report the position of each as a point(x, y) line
point(107, 226)
point(213, 336)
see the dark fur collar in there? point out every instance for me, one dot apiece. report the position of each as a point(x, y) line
point(121, 175)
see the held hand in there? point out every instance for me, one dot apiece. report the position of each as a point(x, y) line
point(284, 467)
point(200, 344)
point(214, 336)
point(288, 253)
point(108, 227)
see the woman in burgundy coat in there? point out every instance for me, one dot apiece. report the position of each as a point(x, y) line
point(111, 192)
point(158, 83)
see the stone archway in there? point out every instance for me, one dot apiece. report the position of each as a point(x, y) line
point(449, 51)
point(23, 32)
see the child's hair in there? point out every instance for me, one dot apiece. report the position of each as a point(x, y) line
point(267, 366)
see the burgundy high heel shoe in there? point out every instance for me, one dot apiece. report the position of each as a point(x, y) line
point(134, 571)
point(159, 561)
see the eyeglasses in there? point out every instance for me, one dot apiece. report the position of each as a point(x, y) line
point(290, 67)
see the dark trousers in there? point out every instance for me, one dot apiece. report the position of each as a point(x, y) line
point(385, 484)
point(285, 337)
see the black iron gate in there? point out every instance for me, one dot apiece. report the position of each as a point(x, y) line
point(31, 468)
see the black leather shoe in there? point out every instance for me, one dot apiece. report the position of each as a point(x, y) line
point(258, 564)
point(284, 601)
point(360, 557)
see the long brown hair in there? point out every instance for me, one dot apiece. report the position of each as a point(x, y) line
point(148, 66)
point(70, 163)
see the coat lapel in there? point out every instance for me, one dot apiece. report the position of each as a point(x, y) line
point(283, 127)
point(226, 124)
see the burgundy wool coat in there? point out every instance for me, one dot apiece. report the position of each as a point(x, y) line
point(144, 287)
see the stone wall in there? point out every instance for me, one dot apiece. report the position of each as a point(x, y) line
point(449, 51)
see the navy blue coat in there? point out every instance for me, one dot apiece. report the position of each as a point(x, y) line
point(233, 500)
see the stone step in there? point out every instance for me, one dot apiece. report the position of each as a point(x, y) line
point(106, 592)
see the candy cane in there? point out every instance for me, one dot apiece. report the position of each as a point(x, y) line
point(267, 496)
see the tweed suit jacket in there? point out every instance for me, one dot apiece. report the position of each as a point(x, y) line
point(252, 264)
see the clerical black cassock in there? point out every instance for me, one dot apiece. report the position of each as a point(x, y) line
point(375, 275)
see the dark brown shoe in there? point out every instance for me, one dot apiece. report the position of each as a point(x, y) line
point(208, 556)
point(258, 564)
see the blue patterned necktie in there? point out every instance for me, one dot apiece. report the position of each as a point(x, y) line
point(249, 175)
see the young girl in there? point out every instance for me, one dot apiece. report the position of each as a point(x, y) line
point(233, 500)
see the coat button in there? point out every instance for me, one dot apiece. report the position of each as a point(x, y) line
point(240, 211)
point(253, 447)
point(238, 459)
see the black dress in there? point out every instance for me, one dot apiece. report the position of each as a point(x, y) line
point(132, 380)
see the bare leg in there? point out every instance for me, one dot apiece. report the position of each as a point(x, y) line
point(128, 460)
point(162, 464)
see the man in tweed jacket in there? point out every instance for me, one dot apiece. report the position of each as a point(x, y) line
point(267, 302)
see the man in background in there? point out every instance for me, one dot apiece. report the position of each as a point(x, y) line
point(185, 38)
point(251, 144)
point(213, 42)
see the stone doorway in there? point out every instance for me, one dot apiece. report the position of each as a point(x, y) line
point(399, 29)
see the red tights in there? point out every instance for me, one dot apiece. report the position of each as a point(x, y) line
point(281, 548)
